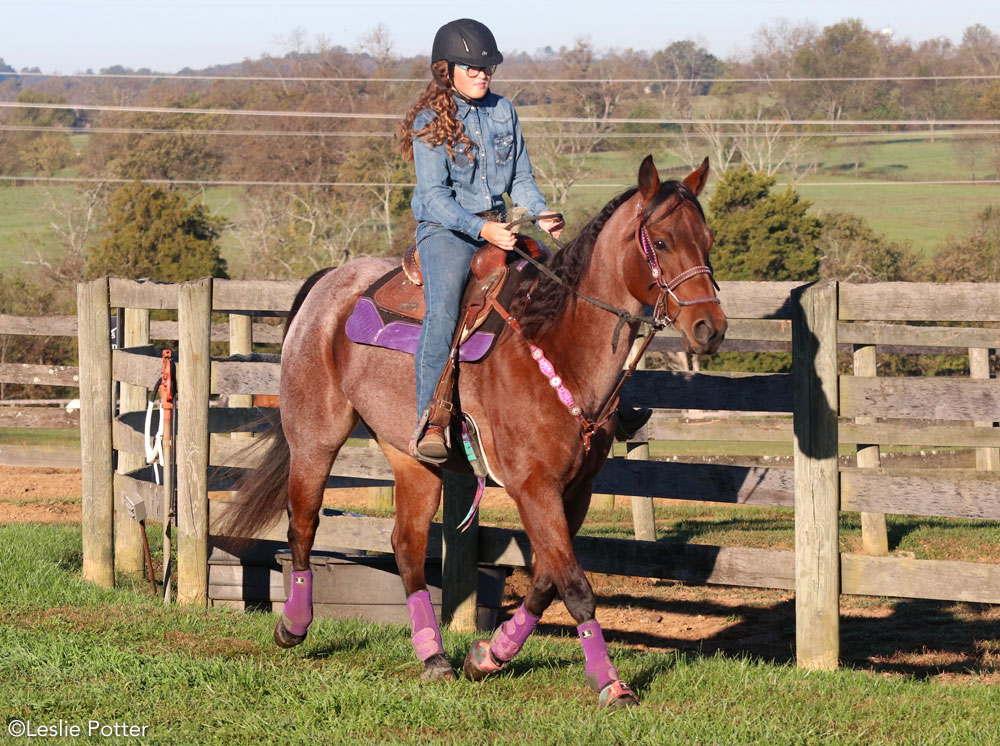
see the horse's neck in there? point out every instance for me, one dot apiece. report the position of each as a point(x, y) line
point(580, 343)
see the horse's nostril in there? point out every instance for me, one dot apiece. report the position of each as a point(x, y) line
point(703, 331)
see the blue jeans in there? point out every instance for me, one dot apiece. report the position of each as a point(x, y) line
point(444, 259)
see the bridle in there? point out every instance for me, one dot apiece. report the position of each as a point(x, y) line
point(660, 309)
point(659, 320)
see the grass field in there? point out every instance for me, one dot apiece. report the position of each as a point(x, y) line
point(922, 215)
point(72, 652)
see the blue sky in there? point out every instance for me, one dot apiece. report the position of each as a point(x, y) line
point(73, 35)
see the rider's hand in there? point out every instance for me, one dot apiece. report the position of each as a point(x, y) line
point(552, 226)
point(498, 235)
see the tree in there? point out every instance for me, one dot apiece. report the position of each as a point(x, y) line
point(153, 232)
point(760, 235)
point(31, 148)
point(851, 251)
point(973, 258)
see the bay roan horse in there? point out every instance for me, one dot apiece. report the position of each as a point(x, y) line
point(531, 435)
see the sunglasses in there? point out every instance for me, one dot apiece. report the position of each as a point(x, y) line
point(472, 71)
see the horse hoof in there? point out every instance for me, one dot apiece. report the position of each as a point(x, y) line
point(480, 663)
point(284, 638)
point(437, 668)
point(617, 695)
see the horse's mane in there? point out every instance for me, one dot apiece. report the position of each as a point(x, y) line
point(549, 299)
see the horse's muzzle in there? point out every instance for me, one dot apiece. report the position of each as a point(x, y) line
point(705, 336)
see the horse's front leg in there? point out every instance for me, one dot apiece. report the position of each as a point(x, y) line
point(550, 524)
point(418, 492)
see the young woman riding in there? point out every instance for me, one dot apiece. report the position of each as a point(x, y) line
point(466, 145)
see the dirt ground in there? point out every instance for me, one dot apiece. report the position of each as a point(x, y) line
point(953, 642)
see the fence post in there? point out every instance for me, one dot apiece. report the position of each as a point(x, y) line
point(194, 368)
point(987, 459)
point(643, 518)
point(460, 561)
point(241, 343)
point(128, 533)
point(874, 535)
point(817, 493)
point(94, 334)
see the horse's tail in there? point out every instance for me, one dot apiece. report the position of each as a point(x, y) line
point(262, 492)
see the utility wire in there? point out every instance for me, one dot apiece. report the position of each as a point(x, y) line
point(400, 185)
point(499, 81)
point(531, 135)
point(557, 120)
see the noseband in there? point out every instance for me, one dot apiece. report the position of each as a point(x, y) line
point(660, 312)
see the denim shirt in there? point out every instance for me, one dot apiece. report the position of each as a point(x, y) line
point(449, 192)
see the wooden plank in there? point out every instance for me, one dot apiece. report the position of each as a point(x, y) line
point(138, 367)
point(955, 493)
point(945, 580)
point(40, 375)
point(904, 335)
point(757, 300)
point(56, 418)
point(945, 398)
point(731, 391)
point(743, 485)
point(51, 456)
point(142, 294)
point(264, 333)
point(666, 426)
point(246, 419)
point(245, 377)
point(987, 459)
point(129, 555)
point(254, 295)
point(192, 450)
point(353, 461)
point(874, 534)
point(241, 343)
point(817, 586)
point(39, 326)
point(920, 434)
point(95, 432)
point(920, 301)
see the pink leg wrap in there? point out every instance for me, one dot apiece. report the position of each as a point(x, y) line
point(426, 636)
point(510, 636)
point(600, 670)
point(298, 612)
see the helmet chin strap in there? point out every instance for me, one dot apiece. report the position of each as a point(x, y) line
point(448, 86)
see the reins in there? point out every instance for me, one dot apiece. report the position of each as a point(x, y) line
point(659, 320)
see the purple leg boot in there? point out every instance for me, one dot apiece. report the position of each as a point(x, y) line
point(601, 673)
point(489, 656)
point(426, 637)
point(297, 615)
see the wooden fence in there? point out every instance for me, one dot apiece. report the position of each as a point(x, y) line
point(812, 322)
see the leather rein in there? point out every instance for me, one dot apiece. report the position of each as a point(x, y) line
point(660, 319)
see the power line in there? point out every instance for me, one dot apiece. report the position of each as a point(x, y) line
point(531, 135)
point(552, 120)
point(596, 81)
point(401, 185)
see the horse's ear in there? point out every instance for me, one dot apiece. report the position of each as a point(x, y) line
point(649, 179)
point(695, 180)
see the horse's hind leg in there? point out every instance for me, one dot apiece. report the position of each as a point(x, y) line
point(418, 493)
point(312, 455)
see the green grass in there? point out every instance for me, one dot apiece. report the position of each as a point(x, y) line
point(19, 436)
point(75, 652)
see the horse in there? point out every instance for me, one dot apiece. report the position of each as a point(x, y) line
point(536, 435)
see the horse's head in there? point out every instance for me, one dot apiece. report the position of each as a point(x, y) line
point(667, 260)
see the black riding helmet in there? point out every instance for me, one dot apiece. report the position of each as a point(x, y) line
point(466, 42)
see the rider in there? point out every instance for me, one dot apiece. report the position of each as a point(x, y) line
point(466, 145)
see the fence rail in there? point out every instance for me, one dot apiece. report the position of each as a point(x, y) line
point(816, 410)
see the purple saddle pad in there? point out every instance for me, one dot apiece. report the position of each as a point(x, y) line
point(365, 326)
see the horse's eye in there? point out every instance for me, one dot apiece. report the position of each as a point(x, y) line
point(661, 245)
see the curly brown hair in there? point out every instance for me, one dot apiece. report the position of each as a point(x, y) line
point(444, 128)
